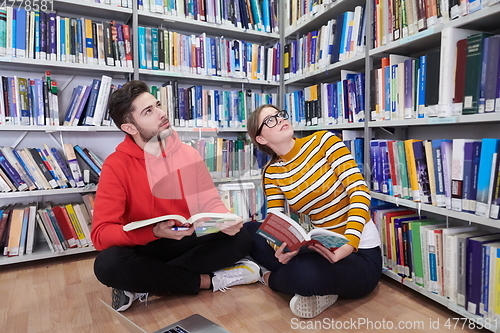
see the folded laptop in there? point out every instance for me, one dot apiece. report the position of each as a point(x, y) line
point(192, 324)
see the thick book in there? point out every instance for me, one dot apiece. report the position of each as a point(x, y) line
point(203, 222)
point(279, 228)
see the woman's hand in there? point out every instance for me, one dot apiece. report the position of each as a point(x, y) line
point(164, 230)
point(334, 256)
point(284, 257)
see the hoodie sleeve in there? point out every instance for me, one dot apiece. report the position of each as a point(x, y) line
point(109, 209)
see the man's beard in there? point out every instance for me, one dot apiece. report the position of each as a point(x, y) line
point(148, 135)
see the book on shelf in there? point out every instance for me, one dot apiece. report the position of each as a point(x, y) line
point(279, 228)
point(203, 222)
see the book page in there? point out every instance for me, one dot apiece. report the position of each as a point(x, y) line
point(143, 223)
point(327, 238)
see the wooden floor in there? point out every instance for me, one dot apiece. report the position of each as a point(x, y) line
point(62, 295)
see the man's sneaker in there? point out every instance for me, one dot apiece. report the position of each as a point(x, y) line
point(311, 306)
point(121, 300)
point(243, 272)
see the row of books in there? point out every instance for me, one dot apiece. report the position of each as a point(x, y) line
point(89, 104)
point(459, 78)
point(258, 15)
point(198, 107)
point(244, 199)
point(459, 174)
point(341, 38)
point(48, 36)
point(161, 49)
point(299, 11)
point(25, 101)
point(339, 102)
point(227, 158)
point(28, 169)
point(458, 262)
point(62, 226)
point(396, 19)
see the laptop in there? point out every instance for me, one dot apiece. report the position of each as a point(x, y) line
point(193, 324)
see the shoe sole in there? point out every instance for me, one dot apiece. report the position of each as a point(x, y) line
point(311, 306)
point(118, 300)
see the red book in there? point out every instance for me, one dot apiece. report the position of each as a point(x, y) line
point(458, 98)
point(66, 227)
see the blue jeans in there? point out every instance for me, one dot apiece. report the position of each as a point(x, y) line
point(309, 273)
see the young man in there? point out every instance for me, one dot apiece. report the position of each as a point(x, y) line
point(151, 174)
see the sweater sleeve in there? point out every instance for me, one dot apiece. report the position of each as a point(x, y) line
point(348, 173)
point(109, 208)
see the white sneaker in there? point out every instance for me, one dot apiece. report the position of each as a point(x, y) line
point(243, 272)
point(121, 300)
point(311, 306)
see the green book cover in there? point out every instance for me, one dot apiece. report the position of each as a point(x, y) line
point(405, 187)
point(473, 67)
point(416, 249)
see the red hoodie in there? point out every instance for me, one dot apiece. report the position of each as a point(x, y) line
point(135, 185)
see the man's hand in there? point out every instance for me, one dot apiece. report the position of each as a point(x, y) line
point(284, 257)
point(334, 256)
point(231, 228)
point(164, 230)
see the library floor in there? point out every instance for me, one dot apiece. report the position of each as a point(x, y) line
point(62, 295)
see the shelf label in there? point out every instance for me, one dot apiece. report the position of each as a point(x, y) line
point(445, 120)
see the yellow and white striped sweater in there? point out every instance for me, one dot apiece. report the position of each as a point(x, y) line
point(320, 178)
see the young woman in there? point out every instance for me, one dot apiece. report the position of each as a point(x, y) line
point(317, 176)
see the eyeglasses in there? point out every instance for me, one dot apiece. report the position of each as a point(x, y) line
point(272, 121)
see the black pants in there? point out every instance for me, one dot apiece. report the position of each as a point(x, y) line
point(309, 273)
point(170, 266)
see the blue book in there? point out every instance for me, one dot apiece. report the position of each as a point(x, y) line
point(84, 101)
point(359, 80)
point(475, 171)
point(266, 17)
point(20, 32)
point(154, 50)
point(91, 104)
point(376, 161)
point(141, 31)
point(12, 173)
point(421, 87)
point(347, 17)
point(25, 167)
point(13, 34)
point(489, 150)
point(24, 232)
point(438, 172)
point(79, 151)
point(64, 166)
point(335, 103)
point(72, 105)
point(62, 38)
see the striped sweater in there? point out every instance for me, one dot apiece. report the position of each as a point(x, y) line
point(320, 178)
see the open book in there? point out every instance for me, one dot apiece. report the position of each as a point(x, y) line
point(203, 222)
point(279, 228)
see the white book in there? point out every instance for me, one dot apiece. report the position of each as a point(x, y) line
point(102, 100)
point(447, 68)
point(450, 260)
point(30, 241)
point(457, 174)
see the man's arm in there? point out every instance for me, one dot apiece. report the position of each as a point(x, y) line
point(109, 209)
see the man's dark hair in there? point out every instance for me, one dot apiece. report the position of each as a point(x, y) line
point(120, 102)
